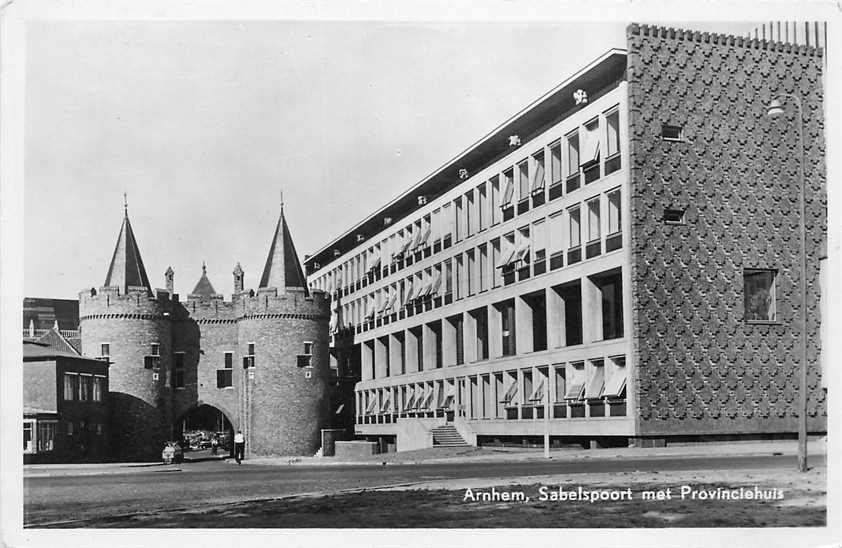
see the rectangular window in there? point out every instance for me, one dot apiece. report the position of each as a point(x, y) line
point(471, 271)
point(28, 436)
point(46, 436)
point(593, 219)
point(460, 219)
point(71, 382)
point(459, 327)
point(538, 176)
point(482, 207)
point(509, 188)
point(555, 234)
point(229, 360)
point(495, 200)
point(461, 283)
point(674, 216)
point(614, 212)
point(573, 153)
point(178, 371)
point(85, 387)
point(759, 289)
point(539, 242)
point(98, 388)
point(575, 381)
point(224, 378)
point(308, 347)
point(575, 232)
point(559, 383)
point(496, 258)
point(596, 380)
point(156, 349)
point(610, 288)
point(612, 127)
point(105, 350)
point(672, 133)
point(448, 277)
point(507, 327)
point(483, 267)
point(480, 317)
point(523, 179)
point(555, 163)
point(470, 214)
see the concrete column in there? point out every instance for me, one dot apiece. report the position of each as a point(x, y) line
point(448, 347)
point(591, 311)
point(429, 348)
point(523, 326)
point(367, 352)
point(411, 352)
point(380, 353)
point(395, 355)
point(556, 336)
point(495, 332)
point(470, 337)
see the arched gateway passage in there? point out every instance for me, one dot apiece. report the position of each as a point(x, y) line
point(197, 427)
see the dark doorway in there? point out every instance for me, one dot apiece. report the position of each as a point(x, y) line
point(197, 429)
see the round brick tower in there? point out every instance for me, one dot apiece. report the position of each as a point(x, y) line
point(283, 338)
point(125, 323)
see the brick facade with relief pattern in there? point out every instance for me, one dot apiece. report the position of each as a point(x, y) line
point(701, 368)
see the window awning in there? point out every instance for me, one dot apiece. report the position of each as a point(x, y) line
point(386, 406)
point(427, 400)
point(508, 258)
point(410, 401)
point(435, 287)
point(375, 262)
point(422, 241)
point(538, 178)
point(574, 391)
point(510, 394)
point(370, 314)
point(590, 148)
point(507, 194)
point(407, 297)
point(334, 323)
point(424, 290)
point(615, 385)
point(522, 253)
point(390, 303)
point(372, 405)
point(596, 383)
point(538, 393)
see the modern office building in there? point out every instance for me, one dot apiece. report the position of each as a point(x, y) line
point(617, 263)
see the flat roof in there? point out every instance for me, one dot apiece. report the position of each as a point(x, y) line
point(597, 77)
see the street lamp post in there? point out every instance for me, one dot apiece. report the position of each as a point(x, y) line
point(775, 109)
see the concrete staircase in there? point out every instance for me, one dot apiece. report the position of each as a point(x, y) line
point(447, 436)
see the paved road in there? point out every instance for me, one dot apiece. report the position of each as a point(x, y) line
point(63, 498)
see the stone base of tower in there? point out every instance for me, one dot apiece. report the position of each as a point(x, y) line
point(138, 430)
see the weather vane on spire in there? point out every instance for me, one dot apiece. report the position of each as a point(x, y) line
point(204, 268)
point(282, 198)
point(125, 203)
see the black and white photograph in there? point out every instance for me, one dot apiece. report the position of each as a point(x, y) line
point(504, 273)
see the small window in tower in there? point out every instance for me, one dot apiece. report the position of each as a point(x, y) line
point(308, 347)
point(229, 360)
point(156, 349)
point(672, 133)
point(105, 350)
point(303, 360)
point(674, 216)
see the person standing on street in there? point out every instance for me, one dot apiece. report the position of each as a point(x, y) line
point(239, 446)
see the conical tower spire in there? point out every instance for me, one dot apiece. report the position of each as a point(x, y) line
point(282, 269)
point(126, 269)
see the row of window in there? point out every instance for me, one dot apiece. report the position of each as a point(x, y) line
point(546, 244)
point(84, 387)
point(504, 394)
point(39, 436)
point(547, 173)
point(467, 336)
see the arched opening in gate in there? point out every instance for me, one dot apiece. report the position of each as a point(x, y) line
point(204, 432)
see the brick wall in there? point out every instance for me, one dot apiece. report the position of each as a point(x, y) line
point(141, 418)
point(281, 410)
point(701, 369)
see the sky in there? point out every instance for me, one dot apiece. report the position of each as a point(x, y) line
point(204, 124)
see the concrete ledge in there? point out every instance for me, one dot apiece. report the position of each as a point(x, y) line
point(355, 449)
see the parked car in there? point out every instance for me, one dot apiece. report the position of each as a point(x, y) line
point(172, 453)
